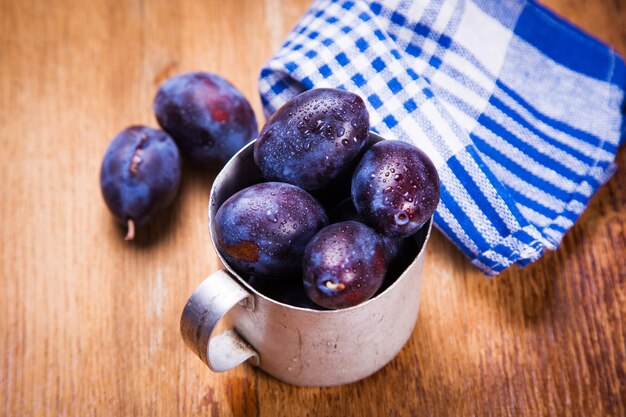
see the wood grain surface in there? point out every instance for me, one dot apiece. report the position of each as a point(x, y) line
point(89, 323)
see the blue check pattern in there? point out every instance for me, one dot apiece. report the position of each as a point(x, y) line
point(521, 112)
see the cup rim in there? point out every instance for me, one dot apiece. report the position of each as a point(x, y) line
point(211, 215)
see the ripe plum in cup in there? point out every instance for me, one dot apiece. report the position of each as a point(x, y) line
point(344, 264)
point(313, 138)
point(399, 251)
point(140, 175)
point(346, 211)
point(263, 229)
point(206, 115)
point(395, 188)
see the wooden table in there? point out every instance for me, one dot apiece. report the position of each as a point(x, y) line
point(89, 323)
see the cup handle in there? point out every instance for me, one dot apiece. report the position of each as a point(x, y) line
point(213, 298)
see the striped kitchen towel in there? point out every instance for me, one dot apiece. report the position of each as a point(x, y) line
point(520, 111)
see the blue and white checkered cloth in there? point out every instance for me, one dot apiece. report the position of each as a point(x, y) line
point(520, 111)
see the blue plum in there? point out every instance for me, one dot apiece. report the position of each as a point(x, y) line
point(140, 175)
point(346, 211)
point(263, 229)
point(313, 138)
point(208, 117)
point(395, 188)
point(343, 265)
point(400, 252)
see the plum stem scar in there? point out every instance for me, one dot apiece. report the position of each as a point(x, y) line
point(130, 235)
point(332, 286)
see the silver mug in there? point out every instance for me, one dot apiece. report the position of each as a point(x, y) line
point(297, 345)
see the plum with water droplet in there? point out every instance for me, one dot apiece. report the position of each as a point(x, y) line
point(208, 117)
point(344, 265)
point(140, 175)
point(263, 229)
point(313, 138)
point(395, 188)
point(346, 211)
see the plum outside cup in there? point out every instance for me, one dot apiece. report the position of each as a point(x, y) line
point(296, 345)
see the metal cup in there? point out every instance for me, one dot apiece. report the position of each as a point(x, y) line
point(297, 345)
